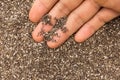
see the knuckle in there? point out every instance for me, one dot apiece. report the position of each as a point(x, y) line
point(79, 18)
point(101, 2)
point(101, 19)
point(65, 5)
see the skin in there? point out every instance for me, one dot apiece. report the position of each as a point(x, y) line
point(84, 16)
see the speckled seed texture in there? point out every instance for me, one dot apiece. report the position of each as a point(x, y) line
point(21, 58)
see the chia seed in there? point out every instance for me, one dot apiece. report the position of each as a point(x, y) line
point(59, 23)
point(64, 29)
point(56, 34)
point(53, 40)
point(46, 19)
point(41, 32)
point(49, 35)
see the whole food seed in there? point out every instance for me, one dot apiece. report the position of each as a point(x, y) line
point(47, 36)
point(59, 23)
point(64, 29)
point(46, 19)
point(56, 34)
point(41, 32)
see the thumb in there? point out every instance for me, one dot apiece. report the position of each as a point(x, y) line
point(114, 5)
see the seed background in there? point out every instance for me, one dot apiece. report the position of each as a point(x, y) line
point(21, 58)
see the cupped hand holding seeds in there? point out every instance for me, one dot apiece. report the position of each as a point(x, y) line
point(59, 19)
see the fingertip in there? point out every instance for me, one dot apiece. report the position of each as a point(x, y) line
point(51, 45)
point(36, 34)
point(35, 14)
point(32, 17)
point(84, 33)
point(78, 39)
point(37, 11)
point(36, 38)
point(58, 40)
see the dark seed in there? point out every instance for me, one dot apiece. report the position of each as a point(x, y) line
point(60, 22)
point(56, 34)
point(46, 19)
point(64, 29)
point(53, 40)
point(47, 36)
point(40, 32)
point(58, 25)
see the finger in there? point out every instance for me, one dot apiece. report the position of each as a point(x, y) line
point(39, 8)
point(94, 24)
point(62, 8)
point(77, 18)
point(109, 4)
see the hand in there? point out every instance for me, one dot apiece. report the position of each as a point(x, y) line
point(83, 16)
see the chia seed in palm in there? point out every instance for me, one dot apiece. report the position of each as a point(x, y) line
point(48, 36)
point(60, 22)
point(64, 29)
point(46, 19)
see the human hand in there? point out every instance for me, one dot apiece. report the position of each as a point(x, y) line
point(83, 16)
